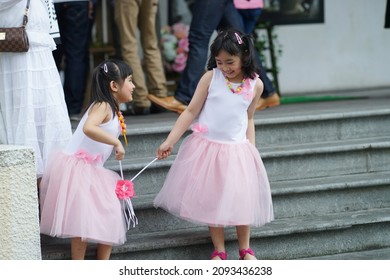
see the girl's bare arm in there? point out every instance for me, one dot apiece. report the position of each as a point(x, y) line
point(98, 114)
point(250, 132)
point(187, 117)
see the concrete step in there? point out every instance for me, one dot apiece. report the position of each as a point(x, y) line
point(289, 238)
point(374, 254)
point(292, 162)
point(285, 125)
point(328, 164)
point(293, 198)
point(330, 158)
point(333, 194)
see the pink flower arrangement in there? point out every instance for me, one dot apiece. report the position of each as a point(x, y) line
point(175, 47)
point(124, 189)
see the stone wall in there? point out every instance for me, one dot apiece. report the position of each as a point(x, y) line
point(19, 215)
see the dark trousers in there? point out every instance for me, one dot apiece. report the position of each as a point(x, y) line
point(74, 26)
point(387, 15)
point(249, 18)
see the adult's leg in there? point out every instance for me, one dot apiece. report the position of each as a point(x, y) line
point(243, 235)
point(154, 70)
point(58, 53)
point(126, 17)
point(206, 16)
point(269, 88)
point(387, 15)
point(103, 252)
point(74, 30)
point(115, 32)
point(231, 17)
point(78, 248)
point(218, 238)
point(249, 18)
point(269, 98)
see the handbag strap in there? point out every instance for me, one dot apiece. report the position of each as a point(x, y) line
point(25, 17)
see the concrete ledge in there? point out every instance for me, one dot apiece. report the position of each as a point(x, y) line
point(19, 219)
point(302, 237)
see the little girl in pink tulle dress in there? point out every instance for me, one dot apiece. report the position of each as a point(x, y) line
point(218, 178)
point(77, 194)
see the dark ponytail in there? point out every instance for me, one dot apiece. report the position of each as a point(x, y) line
point(103, 74)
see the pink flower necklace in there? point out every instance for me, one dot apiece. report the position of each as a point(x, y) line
point(239, 88)
point(122, 124)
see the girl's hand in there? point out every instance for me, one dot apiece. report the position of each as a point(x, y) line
point(164, 151)
point(119, 151)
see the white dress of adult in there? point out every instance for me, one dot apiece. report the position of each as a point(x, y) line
point(32, 106)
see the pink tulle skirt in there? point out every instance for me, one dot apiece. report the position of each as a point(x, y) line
point(77, 199)
point(217, 184)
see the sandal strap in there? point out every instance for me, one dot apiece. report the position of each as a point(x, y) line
point(222, 255)
point(243, 253)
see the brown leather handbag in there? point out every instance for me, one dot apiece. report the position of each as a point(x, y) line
point(15, 39)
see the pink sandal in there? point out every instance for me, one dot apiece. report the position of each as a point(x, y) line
point(243, 253)
point(222, 255)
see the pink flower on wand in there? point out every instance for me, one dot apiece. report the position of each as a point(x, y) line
point(124, 189)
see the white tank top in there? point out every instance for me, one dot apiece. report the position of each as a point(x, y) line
point(224, 113)
point(81, 142)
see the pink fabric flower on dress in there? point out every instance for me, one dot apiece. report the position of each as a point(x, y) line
point(199, 128)
point(88, 158)
point(124, 189)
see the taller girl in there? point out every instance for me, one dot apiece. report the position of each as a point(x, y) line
point(218, 177)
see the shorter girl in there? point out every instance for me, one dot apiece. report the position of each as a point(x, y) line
point(218, 178)
point(78, 199)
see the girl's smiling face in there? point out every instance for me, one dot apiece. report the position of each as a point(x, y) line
point(230, 65)
point(125, 92)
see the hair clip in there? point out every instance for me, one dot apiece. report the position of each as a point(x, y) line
point(105, 68)
point(239, 40)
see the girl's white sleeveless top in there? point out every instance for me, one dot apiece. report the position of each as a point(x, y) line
point(81, 142)
point(224, 112)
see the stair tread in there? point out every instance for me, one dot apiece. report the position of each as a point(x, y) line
point(200, 235)
point(326, 146)
point(331, 182)
point(302, 185)
point(374, 254)
point(282, 150)
point(347, 120)
point(369, 105)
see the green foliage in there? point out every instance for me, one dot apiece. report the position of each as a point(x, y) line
point(267, 44)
